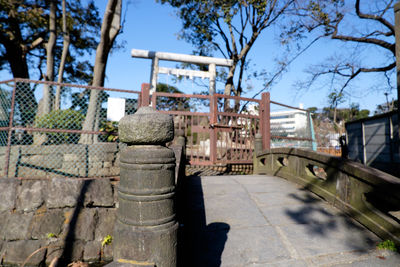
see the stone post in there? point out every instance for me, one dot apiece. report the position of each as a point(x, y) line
point(258, 147)
point(145, 231)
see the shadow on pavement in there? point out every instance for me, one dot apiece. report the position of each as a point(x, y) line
point(199, 244)
point(325, 223)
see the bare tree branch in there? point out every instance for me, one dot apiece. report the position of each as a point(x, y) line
point(375, 17)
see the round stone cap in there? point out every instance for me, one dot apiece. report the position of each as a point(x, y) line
point(146, 127)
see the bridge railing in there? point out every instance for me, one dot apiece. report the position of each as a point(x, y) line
point(366, 194)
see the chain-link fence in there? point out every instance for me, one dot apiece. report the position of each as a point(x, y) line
point(49, 129)
point(291, 127)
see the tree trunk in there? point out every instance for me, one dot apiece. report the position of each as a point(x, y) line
point(47, 89)
point(66, 42)
point(334, 116)
point(229, 86)
point(15, 55)
point(109, 30)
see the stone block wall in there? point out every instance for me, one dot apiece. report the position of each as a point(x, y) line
point(59, 217)
point(73, 160)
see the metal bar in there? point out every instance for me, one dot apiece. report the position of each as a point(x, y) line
point(10, 124)
point(55, 130)
point(287, 106)
point(178, 112)
point(238, 98)
point(363, 144)
point(217, 125)
point(265, 120)
point(290, 138)
point(77, 86)
point(182, 95)
point(192, 141)
point(145, 95)
point(237, 115)
point(7, 81)
point(198, 146)
point(241, 142)
point(213, 133)
point(154, 99)
point(181, 57)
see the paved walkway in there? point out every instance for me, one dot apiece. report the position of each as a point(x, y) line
point(268, 221)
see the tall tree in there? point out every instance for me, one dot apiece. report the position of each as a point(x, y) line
point(335, 99)
point(364, 27)
point(110, 28)
point(64, 54)
point(17, 18)
point(230, 27)
point(50, 45)
point(24, 29)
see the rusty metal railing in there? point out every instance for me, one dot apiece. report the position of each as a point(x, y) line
point(38, 144)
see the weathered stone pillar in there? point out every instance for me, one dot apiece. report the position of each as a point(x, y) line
point(258, 146)
point(145, 231)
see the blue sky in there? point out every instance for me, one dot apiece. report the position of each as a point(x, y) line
point(152, 26)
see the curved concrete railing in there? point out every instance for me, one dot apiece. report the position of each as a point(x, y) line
point(366, 194)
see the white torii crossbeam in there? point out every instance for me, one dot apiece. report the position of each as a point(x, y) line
point(155, 57)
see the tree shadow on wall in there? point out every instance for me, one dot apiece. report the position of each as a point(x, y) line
point(330, 178)
point(69, 245)
point(198, 244)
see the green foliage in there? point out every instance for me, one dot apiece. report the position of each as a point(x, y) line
point(106, 240)
point(171, 103)
point(110, 128)
point(388, 245)
point(27, 22)
point(51, 235)
point(312, 109)
point(346, 114)
point(61, 119)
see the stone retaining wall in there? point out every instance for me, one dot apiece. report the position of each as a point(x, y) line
point(66, 218)
point(73, 160)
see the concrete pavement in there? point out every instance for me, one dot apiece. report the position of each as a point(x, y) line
point(259, 220)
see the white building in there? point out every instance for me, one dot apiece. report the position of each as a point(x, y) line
point(290, 123)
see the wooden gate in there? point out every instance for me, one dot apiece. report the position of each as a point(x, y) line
point(214, 136)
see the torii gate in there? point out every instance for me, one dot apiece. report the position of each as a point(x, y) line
point(212, 62)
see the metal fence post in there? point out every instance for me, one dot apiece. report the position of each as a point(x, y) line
point(154, 100)
point(145, 95)
point(213, 129)
point(146, 230)
point(10, 125)
point(265, 122)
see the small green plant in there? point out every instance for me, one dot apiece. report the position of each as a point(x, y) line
point(106, 240)
point(110, 128)
point(388, 245)
point(51, 235)
point(66, 119)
